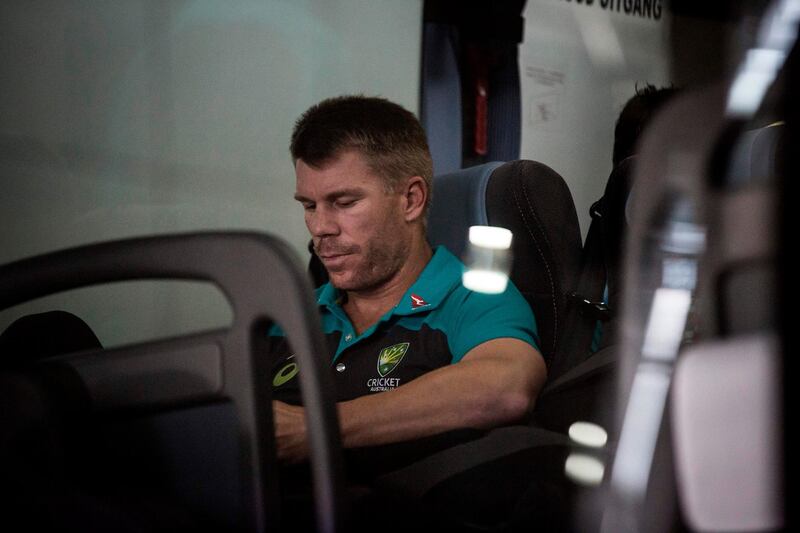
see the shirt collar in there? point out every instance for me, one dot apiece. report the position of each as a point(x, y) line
point(440, 276)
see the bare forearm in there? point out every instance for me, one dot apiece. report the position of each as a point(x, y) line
point(471, 394)
point(488, 388)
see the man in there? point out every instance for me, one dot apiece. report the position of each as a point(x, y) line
point(634, 118)
point(415, 353)
point(613, 207)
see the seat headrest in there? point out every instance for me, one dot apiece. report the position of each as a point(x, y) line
point(43, 335)
point(459, 201)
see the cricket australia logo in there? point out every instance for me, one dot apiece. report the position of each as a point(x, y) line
point(390, 357)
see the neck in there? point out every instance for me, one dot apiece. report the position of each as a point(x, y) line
point(364, 308)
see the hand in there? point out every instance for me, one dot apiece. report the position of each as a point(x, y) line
point(290, 432)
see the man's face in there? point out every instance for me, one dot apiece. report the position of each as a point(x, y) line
point(358, 228)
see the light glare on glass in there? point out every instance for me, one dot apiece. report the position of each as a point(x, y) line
point(487, 259)
point(588, 434)
point(584, 469)
point(485, 281)
point(492, 237)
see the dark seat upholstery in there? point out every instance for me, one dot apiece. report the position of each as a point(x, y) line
point(175, 435)
point(583, 377)
point(43, 335)
point(534, 202)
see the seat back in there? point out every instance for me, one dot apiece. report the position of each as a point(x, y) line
point(732, 372)
point(583, 376)
point(206, 382)
point(740, 263)
point(693, 375)
point(532, 201)
point(663, 251)
point(43, 335)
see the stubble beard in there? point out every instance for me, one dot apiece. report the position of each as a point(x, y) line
point(383, 258)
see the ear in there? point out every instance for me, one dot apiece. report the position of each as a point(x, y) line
point(415, 196)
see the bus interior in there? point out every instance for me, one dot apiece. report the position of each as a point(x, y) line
point(149, 240)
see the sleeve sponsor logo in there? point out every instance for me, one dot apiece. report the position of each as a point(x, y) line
point(286, 373)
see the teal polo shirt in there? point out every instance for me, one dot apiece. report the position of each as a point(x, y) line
point(435, 323)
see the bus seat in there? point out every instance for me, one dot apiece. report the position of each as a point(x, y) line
point(532, 201)
point(740, 259)
point(577, 388)
point(494, 473)
point(583, 374)
point(42, 335)
point(699, 384)
point(597, 296)
point(732, 375)
point(173, 434)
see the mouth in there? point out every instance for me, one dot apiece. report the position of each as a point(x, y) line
point(330, 257)
point(333, 261)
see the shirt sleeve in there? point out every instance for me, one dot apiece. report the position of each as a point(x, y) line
point(484, 317)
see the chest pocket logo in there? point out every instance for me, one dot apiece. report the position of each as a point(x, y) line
point(390, 357)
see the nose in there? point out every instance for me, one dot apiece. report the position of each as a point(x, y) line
point(321, 222)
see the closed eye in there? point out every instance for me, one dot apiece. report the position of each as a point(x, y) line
point(345, 203)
